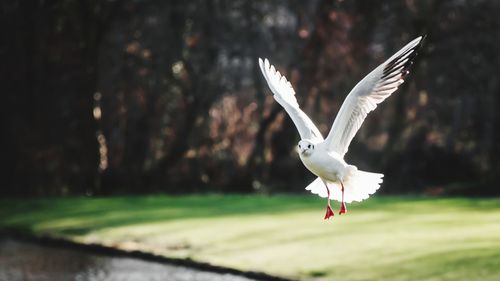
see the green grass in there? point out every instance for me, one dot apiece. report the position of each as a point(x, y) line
point(384, 238)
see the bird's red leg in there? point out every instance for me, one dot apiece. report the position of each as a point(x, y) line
point(343, 208)
point(329, 211)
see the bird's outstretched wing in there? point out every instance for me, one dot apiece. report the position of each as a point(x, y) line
point(285, 96)
point(367, 94)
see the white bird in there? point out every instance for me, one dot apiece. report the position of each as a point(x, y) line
point(325, 157)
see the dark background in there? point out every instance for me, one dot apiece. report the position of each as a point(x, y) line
point(110, 97)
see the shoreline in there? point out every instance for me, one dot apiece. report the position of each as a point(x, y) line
point(98, 249)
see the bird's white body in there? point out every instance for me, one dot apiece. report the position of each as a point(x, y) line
point(329, 166)
point(332, 169)
point(324, 157)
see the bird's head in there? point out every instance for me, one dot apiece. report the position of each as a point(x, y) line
point(306, 147)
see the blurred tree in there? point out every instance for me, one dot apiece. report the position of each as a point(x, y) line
point(50, 65)
point(144, 96)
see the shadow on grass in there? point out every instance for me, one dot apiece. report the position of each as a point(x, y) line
point(79, 216)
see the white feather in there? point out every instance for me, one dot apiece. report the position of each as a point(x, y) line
point(285, 96)
point(358, 187)
point(366, 95)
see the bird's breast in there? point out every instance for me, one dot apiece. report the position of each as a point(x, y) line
point(325, 165)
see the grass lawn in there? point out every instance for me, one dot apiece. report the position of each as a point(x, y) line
point(384, 238)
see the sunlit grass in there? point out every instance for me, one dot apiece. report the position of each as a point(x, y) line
point(384, 238)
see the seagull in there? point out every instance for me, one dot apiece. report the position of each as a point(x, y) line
point(336, 179)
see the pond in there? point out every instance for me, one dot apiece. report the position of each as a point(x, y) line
point(21, 260)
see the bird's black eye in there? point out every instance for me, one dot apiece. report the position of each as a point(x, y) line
point(309, 146)
point(299, 146)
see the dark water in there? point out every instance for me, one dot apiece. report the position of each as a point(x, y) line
point(25, 261)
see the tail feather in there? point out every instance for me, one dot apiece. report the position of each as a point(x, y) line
point(358, 186)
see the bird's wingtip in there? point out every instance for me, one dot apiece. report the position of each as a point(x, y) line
point(420, 39)
point(260, 62)
point(267, 65)
point(416, 41)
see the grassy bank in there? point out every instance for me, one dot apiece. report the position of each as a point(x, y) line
point(384, 238)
